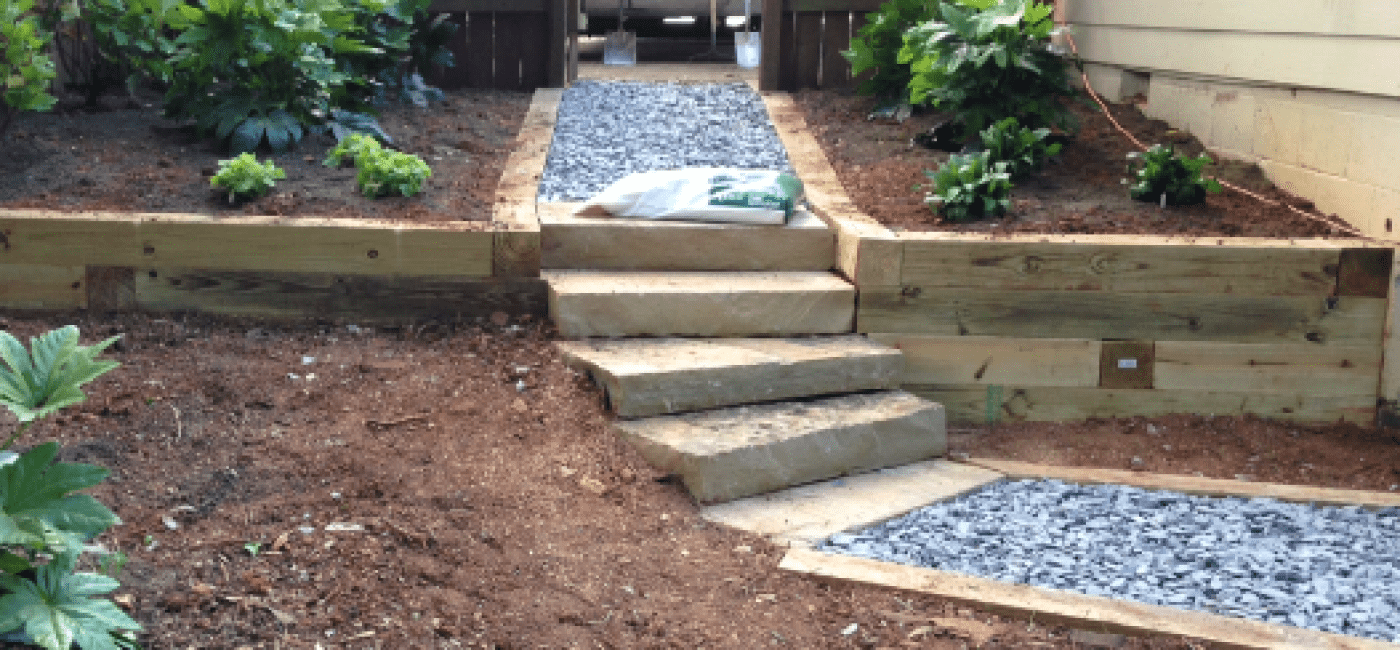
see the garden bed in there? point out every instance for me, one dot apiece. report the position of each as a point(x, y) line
point(1080, 193)
point(124, 157)
point(494, 516)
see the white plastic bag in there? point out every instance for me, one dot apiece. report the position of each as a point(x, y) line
point(746, 196)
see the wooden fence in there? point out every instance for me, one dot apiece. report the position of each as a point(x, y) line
point(511, 44)
point(803, 41)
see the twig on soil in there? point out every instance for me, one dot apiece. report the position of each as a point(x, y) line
point(1325, 220)
point(179, 429)
point(379, 425)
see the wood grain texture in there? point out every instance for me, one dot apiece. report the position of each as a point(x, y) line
point(516, 246)
point(111, 288)
point(983, 360)
point(28, 286)
point(39, 237)
point(1210, 487)
point(1054, 607)
point(1244, 367)
point(1365, 272)
point(327, 295)
point(989, 404)
point(1165, 265)
point(1138, 316)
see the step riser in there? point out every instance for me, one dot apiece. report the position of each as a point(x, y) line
point(670, 246)
point(747, 313)
point(907, 431)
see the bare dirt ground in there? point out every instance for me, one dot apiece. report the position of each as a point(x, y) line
point(123, 156)
point(403, 492)
point(1079, 192)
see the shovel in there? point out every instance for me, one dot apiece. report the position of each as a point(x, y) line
point(620, 47)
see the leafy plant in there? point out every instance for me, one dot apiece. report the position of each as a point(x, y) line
point(1160, 175)
point(343, 124)
point(876, 46)
point(969, 187)
point(132, 34)
point(1023, 150)
point(43, 522)
point(245, 178)
point(989, 64)
point(387, 172)
point(25, 71)
point(352, 148)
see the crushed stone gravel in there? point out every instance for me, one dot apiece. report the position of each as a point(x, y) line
point(607, 130)
point(1334, 569)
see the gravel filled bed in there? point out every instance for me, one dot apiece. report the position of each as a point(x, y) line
point(1335, 569)
point(607, 130)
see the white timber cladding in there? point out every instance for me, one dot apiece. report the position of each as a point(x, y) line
point(1308, 89)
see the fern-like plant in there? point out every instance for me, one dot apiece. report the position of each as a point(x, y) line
point(44, 522)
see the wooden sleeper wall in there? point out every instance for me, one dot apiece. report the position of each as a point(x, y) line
point(1022, 328)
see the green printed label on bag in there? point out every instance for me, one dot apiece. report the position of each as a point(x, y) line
point(781, 194)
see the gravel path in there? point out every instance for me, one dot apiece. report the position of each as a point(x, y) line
point(607, 130)
point(1325, 568)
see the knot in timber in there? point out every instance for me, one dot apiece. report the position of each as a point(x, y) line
point(1100, 264)
point(1031, 264)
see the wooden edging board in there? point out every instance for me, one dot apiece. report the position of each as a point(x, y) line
point(801, 529)
point(516, 249)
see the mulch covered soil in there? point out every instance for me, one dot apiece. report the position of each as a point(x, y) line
point(1081, 191)
point(123, 156)
point(455, 485)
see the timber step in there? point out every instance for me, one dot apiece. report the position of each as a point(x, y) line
point(643, 377)
point(641, 303)
point(568, 241)
point(730, 453)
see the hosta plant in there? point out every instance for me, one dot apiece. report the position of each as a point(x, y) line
point(1160, 175)
point(1023, 150)
point(388, 173)
point(969, 187)
point(244, 178)
point(989, 64)
point(25, 71)
point(44, 522)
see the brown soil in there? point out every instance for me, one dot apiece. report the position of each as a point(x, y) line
point(125, 157)
point(1081, 192)
point(478, 514)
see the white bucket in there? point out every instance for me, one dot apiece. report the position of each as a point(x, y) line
point(747, 50)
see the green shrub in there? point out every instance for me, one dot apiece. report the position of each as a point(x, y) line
point(990, 64)
point(1160, 175)
point(351, 149)
point(245, 178)
point(25, 71)
point(387, 173)
point(969, 187)
point(43, 522)
point(1023, 150)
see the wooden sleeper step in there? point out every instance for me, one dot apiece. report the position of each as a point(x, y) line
point(644, 377)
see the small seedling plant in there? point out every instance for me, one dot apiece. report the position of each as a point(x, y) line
point(350, 150)
point(244, 177)
point(391, 173)
point(1023, 150)
point(44, 522)
point(1160, 175)
point(969, 187)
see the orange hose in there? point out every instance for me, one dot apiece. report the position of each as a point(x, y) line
point(1320, 218)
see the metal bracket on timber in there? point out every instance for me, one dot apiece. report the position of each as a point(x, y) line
point(516, 249)
point(867, 252)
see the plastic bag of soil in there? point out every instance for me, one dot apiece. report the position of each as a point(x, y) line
point(746, 196)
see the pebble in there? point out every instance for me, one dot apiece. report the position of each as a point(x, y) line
point(608, 130)
point(1326, 568)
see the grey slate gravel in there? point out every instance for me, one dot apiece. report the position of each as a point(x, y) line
point(607, 130)
point(1335, 569)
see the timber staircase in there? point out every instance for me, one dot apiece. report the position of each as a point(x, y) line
point(726, 351)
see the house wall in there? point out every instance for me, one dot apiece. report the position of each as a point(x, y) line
point(1310, 89)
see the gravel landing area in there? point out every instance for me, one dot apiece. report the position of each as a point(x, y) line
point(1334, 569)
point(607, 130)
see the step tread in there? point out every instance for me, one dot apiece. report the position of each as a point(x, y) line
point(636, 357)
point(645, 377)
point(692, 282)
point(561, 214)
point(741, 451)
